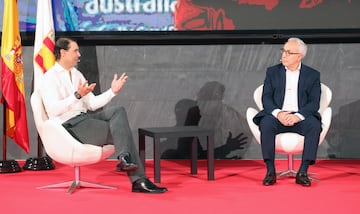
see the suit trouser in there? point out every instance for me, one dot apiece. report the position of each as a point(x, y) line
point(107, 126)
point(310, 128)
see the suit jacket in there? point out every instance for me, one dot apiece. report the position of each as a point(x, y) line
point(309, 91)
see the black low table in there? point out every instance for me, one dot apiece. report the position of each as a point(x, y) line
point(177, 132)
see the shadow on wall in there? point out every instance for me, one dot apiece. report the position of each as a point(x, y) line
point(344, 136)
point(209, 111)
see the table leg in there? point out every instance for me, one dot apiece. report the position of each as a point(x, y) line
point(210, 156)
point(142, 149)
point(157, 159)
point(194, 154)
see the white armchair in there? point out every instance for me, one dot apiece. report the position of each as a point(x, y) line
point(65, 149)
point(291, 143)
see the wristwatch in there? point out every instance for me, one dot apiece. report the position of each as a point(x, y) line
point(77, 95)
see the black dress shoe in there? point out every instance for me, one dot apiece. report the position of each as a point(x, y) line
point(125, 163)
point(144, 185)
point(303, 179)
point(270, 178)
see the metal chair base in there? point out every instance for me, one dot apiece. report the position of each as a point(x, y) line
point(290, 172)
point(287, 173)
point(76, 184)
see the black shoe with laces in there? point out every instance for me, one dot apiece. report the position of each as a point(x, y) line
point(144, 185)
point(270, 178)
point(125, 163)
point(303, 179)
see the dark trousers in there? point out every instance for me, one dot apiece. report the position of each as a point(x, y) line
point(107, 126)
point(310, 128)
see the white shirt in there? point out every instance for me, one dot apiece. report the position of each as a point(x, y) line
point(291, 93)
point(57, 92)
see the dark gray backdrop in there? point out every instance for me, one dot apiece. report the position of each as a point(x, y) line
point(168, 82)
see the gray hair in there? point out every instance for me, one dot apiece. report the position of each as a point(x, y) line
point(301, 43)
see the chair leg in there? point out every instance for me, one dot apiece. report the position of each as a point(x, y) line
point(77, 183)
point(290, 172)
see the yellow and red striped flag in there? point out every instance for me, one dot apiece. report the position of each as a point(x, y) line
point(12, 79)
point(44, 41)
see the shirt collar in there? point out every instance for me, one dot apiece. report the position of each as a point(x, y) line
point(59, 68)
point(297, 70)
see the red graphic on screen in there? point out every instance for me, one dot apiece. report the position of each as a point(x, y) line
point(268, 4)
point(310, 3)
point(190, 15)
point(271, 4)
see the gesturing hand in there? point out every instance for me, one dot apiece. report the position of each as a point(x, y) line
point(118, 83)
point(84, 88)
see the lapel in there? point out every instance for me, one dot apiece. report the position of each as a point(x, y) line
point(301, 83)
point(283, 83)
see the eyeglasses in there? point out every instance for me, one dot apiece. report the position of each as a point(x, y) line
point(287, 52)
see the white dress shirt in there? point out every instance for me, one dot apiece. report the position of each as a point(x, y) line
point(291, 93)
point(57, 91)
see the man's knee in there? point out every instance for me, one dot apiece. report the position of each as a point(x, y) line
point(313, 123)
point(118, 110)
point(267, 122)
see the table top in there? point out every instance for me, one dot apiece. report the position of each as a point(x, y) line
point(180, 130)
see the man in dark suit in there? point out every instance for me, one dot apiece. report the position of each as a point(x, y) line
point(291, 99)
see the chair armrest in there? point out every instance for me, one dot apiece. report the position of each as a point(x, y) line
point(250, 114)
point(325, 122)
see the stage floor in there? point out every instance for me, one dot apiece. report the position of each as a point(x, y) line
point(237, 188)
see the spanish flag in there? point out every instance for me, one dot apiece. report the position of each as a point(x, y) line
point(12, 79)
point(44, 57)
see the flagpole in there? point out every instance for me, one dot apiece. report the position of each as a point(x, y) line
point(39, 151)
point(4, 132)
point(7, 166)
